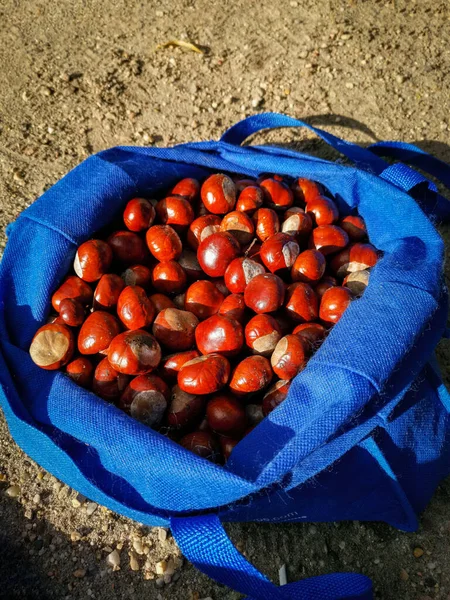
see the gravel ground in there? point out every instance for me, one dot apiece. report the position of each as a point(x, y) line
point(77, 77)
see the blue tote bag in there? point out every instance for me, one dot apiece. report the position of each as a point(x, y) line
point(364, 433)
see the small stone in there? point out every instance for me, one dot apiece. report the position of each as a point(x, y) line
point(75, 536)
point(159, 582)
point(13, 491)
point(167, 578)
point(40, 475)
point(28, 513)
point(159, 13)
point(293, 4)
point(91, 507)
point(162, 534)
point(418, 552)
point(36, 499)
point(399, 79)
point(3, 478)
point(134, 563)
point(342, 545)
point(119, 545)
point(161, 567)
point(349, 85)
point(149, 575)
point(170, 569)
point(138, 547)
point(312, 530)
point(113, 559)
point(79, 573)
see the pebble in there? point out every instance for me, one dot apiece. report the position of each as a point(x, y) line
point(13, 491)
point(161, 567)
point(134, 563)
point(75, 536)
point(167, 578)
point(342, 545)
point(418, 552)
point(138, 547)
point(162, 534)
point(399, 79)
point(160, 582)
point(40, 475)
point(79, 573)
point(36, 499)
point(113, 559)
point(91, 507)
point(3, 477)
point(349, 85)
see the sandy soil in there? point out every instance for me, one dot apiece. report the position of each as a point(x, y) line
point(77, 77)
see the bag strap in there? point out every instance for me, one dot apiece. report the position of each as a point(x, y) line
point(205, 543)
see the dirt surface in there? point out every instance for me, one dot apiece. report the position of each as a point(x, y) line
point(77, 77)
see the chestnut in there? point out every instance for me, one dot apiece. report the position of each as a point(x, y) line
point(244, 182)
point(288, 357)
point(163, 242)
point(266, 223)
point(81, 371)
point(216, 252)
point(357, 282)
point(308, 267)
point(264, 293)
point(134, 352)
point(262, 334)
point(334, 303)
point(92, 260)
point(355, 227)
point(204, 375)
point(71, 312)
point(356, 257)
point(297, 223)
point(220, 285)
point(145, 399)
point(251, 375)
point(239, 225)
point(301, 303)
point(175, 328)
point(72, 287)
point(189, 188)
point(138, 215)
point(227, 445)
point(324, 284)
point(172, 364)
point(108, 291)
point(201, 228)
point(322, 210)
point(275, 396)
point(179, 300)
point(240, 271)
point(277, 194)
point(160, 302)
point(184, 409)
point(311, 334)
point(233, 307)
point(279, 252)
point(127, 248)
point(218, 194)
point(250, 199)
point(191, 266)
point(134, 308)
point(284, 321)
point(201, 443)
point(52, 346)
point(219, 334)
point(169, 277)
point(137, 275)
point(328, 239)
point(97, 333)
point(305, 190)
point(226, 416)
point(254, 414)
point(176, 212)
point(203, 299)
point(108, 383)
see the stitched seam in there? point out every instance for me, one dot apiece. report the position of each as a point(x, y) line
point(51, 227)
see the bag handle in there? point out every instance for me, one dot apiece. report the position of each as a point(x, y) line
point(205, 543)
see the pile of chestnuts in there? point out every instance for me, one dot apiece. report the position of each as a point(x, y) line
point(197, 315)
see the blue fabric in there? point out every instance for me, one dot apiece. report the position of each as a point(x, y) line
point(364, 432)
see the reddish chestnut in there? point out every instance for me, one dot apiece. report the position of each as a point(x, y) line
point(302, 304)
point(305, 190)
point(72, 287)
point(127, 247)
point(216, 252)
point(311, 334)
point(322, 210)
point(218, 194)
point(297, 223)
point(184, 409)
point(277, 194)
point(226, 416)
point(169, 277)
point(201, 443)
point(279, 252)
point(251, 375)
point(239, 225)
point(81, 371)
point(179, 300)
point(244, 182)
point(203, 299)
point(220, 285)
point(357, 282)
point(134, 308)
point(71, 311)
point(138, 215)
point(134, 352)
point(220, 335)
point(275, 396)
point(145, 399)
point(240, 272)
point(201, 228)
point(160, 302)
point(204, 375)
point(262, 334)
point(266, 223)
point(355, 227)
point(227, 445)
point(309, 267)
point(172, 364)
point(97, 333)
point(191, 266)
point(108, 291)
point(264, 293)
point(254, 414)
point(250, 199)
point(233, 307)
point(92, 260)
point(334, 303)
point(324, 284)
point(137, 275)
point(288, 357)
point(356, 257)
point(328, 239)
point(163, 242)
point(176, 212)
point(52, 346)
point(175, 328)
point(109, 383)
point(189, 188)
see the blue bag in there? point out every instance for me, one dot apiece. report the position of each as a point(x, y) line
point(365, 431)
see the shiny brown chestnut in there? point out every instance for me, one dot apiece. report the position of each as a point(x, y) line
point(356, 257)
point(189, 188)
point(108, 291)
point(216, 252)
point(334, 303)
point(52, 346)
point(239, 225)
point(71, 312)
point(297, 223)
point(81, 371)
point(92, 260)
point(288, 357)
point(175, 329)
point(97, 333)
point(128, 248)
point(240, 272)
point(302, 304)
point(178, 300)
point(266, 223)
point(161, 301)
point(201, 228)
point(243, 182)
point(357, 282)
point(204, 375)
point(227, 445)
point(233, 307)
point(169, 277)
point(226, 416)
point(191, 266)
point(138, 215)
point(163, 242)
point(250, 199)
point(220, 285)
point(134, 308)
point(176, 212)
point(184, 409)
point(277, 194)
point(203, 444)
point(203, 299)
point(219, 335)
point(275, 396)
point(137, 275)
point(311, 334)
point(264, 293)
point(218, 194)
point(172, 364)
point(324, 284)
point(328, 239)
point(251, 375)
point(305, 190)
point(322, 210)
point(72, 287)
point(145, 399)
point(134, 352)
point(309, 267)
point(279, 252)
point(108, 383)
point(355, 227)
point(262, 334)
